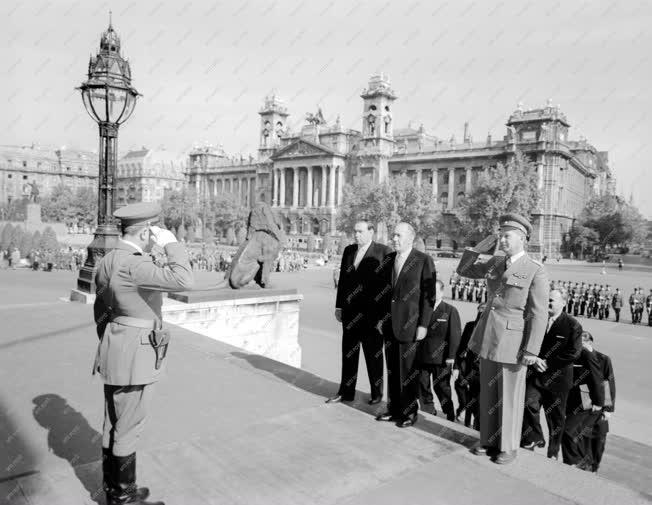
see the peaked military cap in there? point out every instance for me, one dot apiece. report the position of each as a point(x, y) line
point(138, 213)
point(516, 222)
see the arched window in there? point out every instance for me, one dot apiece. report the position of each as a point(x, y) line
point(443, 198)
point(460, 197)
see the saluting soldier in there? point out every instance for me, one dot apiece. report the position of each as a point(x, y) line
point(132, 348)
point(508, 335)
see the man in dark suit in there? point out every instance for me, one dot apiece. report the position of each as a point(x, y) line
point(467, 384)
point(583, 407)
point(436, 355)
point(601, 427)
point(408, 299)
point(357, 310)
point(551, 377)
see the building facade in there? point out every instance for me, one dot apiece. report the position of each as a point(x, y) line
point(302, 175)
point(144, 175)
point(21, 166)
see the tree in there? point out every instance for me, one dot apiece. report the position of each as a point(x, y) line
point(224, 212)
point(17, 237)
point(397, 199)
point(7, 235)
point(48, 240)
point(36, 239)
point(616, 222)
point(26, 243)
point(179, 207)
point(64, 205)
point(510, 187)
point(580, 241)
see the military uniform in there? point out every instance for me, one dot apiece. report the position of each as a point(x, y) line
point(128, 317)
point(617, 303)
point(514, 322)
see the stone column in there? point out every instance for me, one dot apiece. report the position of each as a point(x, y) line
point(295, 186)
point(245, 191)
point(309, 187)
point(451, 188)
point(324, 182)
point(340, 184)
point(274, 188)
point(435, 184)
point(282, 188)
point(331, 187)
point(467, 186)
point(419, 177)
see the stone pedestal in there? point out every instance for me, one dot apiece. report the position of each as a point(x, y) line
point(33, 216)
point(264, 322)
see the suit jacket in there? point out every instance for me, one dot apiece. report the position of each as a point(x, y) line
point(607, 372)
point(586, 372)
point(128, 283)
point(358, 290)
point(560, 348)
point(443, 337)
point(411, 298)
point(517, 306)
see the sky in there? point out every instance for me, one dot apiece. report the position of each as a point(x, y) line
point(204, 68)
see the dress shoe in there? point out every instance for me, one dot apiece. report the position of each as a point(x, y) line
point(531, 445)
point(484, 450)
point(385, 416)
point(338, 399)
point(505, 457)
point(374, 401)
point(407, 422)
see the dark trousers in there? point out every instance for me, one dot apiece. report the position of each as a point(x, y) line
point(372, 347)
point(554, 407)
point(441, 377)
point(402, 378)
point(598, 441)
point(617, 311)
point(577, 438)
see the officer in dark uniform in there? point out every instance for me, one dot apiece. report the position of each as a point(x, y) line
point(132, 342)
point(617, 303)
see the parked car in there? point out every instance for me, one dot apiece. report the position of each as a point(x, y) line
point(448, 254)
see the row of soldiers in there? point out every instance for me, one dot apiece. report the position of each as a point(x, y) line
point(468, 290)
point(593, 300)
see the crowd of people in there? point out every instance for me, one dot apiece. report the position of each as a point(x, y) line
point(524, 351)
point(48, 260)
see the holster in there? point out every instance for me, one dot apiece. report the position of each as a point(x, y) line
point(160, 340)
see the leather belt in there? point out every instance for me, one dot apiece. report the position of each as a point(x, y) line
point(146, 324)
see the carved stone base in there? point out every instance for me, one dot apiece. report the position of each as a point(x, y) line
point(81, 297)
point(265, 322)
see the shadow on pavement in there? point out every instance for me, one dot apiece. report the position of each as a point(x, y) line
point(49, 334)
point(70, 437)
point(17, 458)
point(321, 387)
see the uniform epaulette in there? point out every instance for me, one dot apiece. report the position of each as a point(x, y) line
point(535, 261)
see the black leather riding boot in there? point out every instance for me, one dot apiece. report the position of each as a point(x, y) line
point(124, 478)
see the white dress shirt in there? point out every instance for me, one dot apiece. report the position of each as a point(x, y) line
point(400, 261)
point(362, 250)
point(513, 259)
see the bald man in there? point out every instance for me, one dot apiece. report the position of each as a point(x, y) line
point(408, 300)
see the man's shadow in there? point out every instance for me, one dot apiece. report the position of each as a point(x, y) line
point(321, 387)
point(71, 437)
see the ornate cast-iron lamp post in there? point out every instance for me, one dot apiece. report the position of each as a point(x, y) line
point(109, 98)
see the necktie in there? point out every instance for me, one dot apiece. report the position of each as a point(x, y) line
point(550, 321)
point(398, 264)
point(508, 263)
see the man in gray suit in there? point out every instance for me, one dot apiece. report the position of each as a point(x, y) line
point(508, 336)
point(130, 355)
